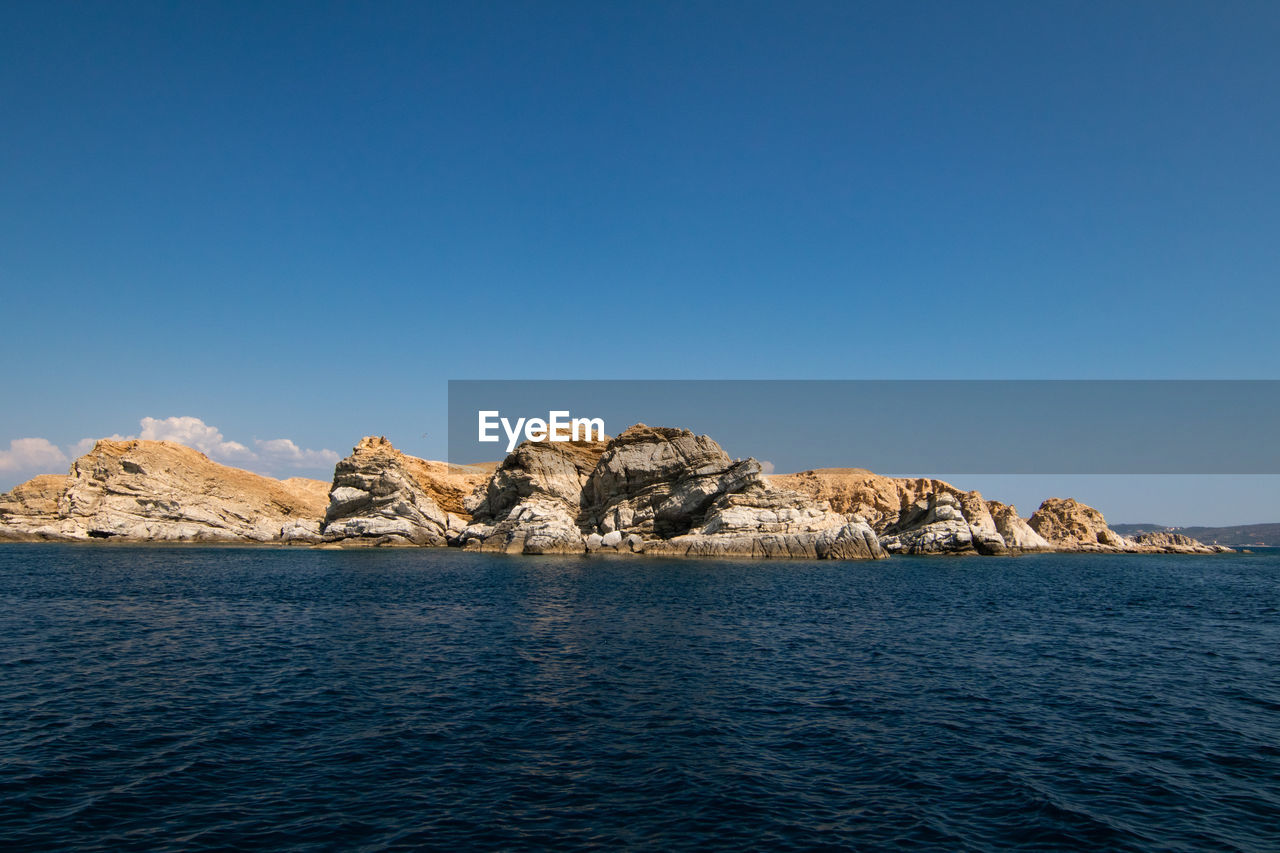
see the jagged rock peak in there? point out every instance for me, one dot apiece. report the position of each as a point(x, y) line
point(381, 496)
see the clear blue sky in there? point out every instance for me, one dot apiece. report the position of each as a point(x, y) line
point(300, 219)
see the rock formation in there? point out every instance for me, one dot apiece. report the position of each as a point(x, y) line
point(1014, 530)
point(680, 493)
point(381, 496)
point(654, 491)
point(1072, 526)
point(1069, 525)
point(876, 499)
point(533, 502)
point(935, 526)
point(660, 483)
point(761, 520)
point(148, 491)
point(918, 515)
point(650, 490)
point(1175, 543)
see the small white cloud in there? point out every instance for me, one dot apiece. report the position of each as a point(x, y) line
point(285, 451)
point(766, 467)
point(266, 457)
point(194, 432)
point(32, 454)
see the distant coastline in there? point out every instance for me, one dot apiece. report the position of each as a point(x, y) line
point(1235, 536)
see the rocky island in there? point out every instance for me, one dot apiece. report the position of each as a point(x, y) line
point(650, 490)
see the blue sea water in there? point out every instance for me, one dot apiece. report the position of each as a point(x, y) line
point(193, 698)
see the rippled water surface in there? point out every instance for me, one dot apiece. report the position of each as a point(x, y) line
point(189, 698)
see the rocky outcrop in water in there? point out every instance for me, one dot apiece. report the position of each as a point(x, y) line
point(1069, 525)
point(659, 483)
point(1014, 530)
point(156, 491)
point(381, 496)
point(650, 490)
point(654, 491)
point(934, 526)
point(918, 515)
point(533, 502)
point(761, 520)
point(1175, 543)
point(668, 491)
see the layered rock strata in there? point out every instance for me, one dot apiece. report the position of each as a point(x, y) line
point(654, 491)
point(649, 490)
point(919, 515)
point(156, 491)
point(381, 496)
point(533, 502)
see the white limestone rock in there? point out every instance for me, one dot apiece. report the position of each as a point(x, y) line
point(379, 498)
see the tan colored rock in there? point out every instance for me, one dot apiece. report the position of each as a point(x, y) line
point(878, 500)
point(381, 496)
point(32, 507)
point(1069, 525)
point(149, 491)
point(897, 507)
point(1164, 542)
point(1017, 534)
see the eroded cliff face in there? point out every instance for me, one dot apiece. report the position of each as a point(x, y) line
point(668, 491)
point(1069, 525)
point(918, 515)
point(149, 491)
point(655, 491)
point(1015, 530)
point(649, 490)
point(660, 483)
point(533, 502)
point(381, 496)
point(31, 506)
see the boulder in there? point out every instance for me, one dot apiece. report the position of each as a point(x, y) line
point(1069, 525)
point(301, 532)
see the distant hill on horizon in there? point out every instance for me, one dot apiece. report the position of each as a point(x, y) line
point(1243, 534)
